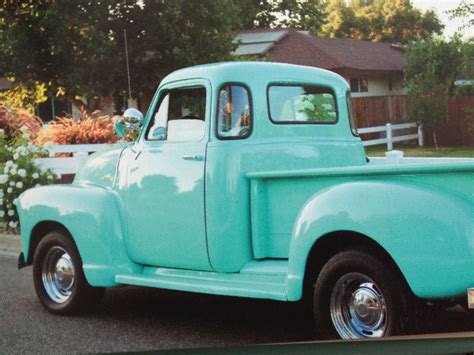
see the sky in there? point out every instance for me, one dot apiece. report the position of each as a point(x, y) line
point(440, 7)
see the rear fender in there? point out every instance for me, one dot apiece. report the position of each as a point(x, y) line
point(429, 234)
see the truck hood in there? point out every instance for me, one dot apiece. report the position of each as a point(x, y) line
point(100, 168)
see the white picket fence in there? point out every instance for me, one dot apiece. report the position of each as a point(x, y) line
point(390, 138)
point(69, 165)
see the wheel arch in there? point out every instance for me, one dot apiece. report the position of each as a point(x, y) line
point(39, 231)
point(333, 243)
point(424, 243)
point(93, 219)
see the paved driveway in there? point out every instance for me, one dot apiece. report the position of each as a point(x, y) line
point(132, 318)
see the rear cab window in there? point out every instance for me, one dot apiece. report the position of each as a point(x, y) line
point(298, 103)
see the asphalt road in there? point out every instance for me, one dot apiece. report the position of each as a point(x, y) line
point(132, 319)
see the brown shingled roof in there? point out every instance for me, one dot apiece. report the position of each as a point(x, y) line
point(301, 47)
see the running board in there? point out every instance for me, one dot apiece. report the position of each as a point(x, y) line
point(234, 284)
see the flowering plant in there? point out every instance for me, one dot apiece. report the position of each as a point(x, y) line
point(89, 129)
point(18, 172)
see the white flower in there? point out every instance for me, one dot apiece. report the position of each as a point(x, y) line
point(1, 201)
point(37, 185)
point(11, 212)
point(2, 214)
point(15, 200)
point(19, 184)
point(50, 177)
point(12, 224)
point(26, 135)
point(51, 154)
point(22, 150)
point(22, 172)
point(9, 163)
point(13, 171)
point(24, 129)
point(5, 170)
point(9, 190)
point(11, 183)
point(15, 156)
point(58, 176)
point(35, 175)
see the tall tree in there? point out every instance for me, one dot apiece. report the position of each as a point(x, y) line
point(77, 46)
point(464, 11)
point(380, 20)
point(342, 21)
point(431, 68)
point(300, 14)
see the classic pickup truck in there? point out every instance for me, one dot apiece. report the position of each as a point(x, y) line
point(248, 179)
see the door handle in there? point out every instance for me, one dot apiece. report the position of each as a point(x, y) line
point(193, 157)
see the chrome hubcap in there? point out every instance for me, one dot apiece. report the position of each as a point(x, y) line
point(58, 274)
point(358, 307)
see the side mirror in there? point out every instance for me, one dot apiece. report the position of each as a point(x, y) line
point(131, 120)
point(159, 134)
point(133, 117)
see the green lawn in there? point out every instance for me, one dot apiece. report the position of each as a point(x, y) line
point(415, 151)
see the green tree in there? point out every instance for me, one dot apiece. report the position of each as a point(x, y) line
point(380, 20)
point(465, 11)
point(300, 14)
point(77, 46)
point(342, 21)
point(431, 68)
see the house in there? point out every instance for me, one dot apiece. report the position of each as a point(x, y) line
point(370, 68)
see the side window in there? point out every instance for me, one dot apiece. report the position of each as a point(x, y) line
point(234, 120)
point(301, 104)
point(179, 116)
point(350, 110)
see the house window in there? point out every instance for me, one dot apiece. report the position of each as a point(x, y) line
point(359, 85)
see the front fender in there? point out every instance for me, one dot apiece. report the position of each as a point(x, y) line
point(92, 215)
point(429, 234)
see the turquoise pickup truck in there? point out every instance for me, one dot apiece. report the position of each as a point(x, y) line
point(249, 180)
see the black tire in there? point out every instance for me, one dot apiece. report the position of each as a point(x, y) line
point(77, 296)
point(347, 279)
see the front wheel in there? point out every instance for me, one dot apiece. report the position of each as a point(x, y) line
point(59, 281)
point(358, 296)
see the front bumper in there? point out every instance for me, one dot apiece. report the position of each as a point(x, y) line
point(470, 298)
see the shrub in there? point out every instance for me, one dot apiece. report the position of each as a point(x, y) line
point(13, 119)
point(90, 129)
point(19, 173)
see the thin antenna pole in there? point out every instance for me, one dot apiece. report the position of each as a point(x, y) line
point(128, 65)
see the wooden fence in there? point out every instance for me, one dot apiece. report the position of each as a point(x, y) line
point(380, 110)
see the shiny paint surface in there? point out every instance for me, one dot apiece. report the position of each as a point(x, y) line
point(163, 191)
point(242, 220)
point(92, 215)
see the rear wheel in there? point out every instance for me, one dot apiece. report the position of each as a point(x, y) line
point(58, 277)
point(358, 296)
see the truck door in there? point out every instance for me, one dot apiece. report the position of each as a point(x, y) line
point(165, 183)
